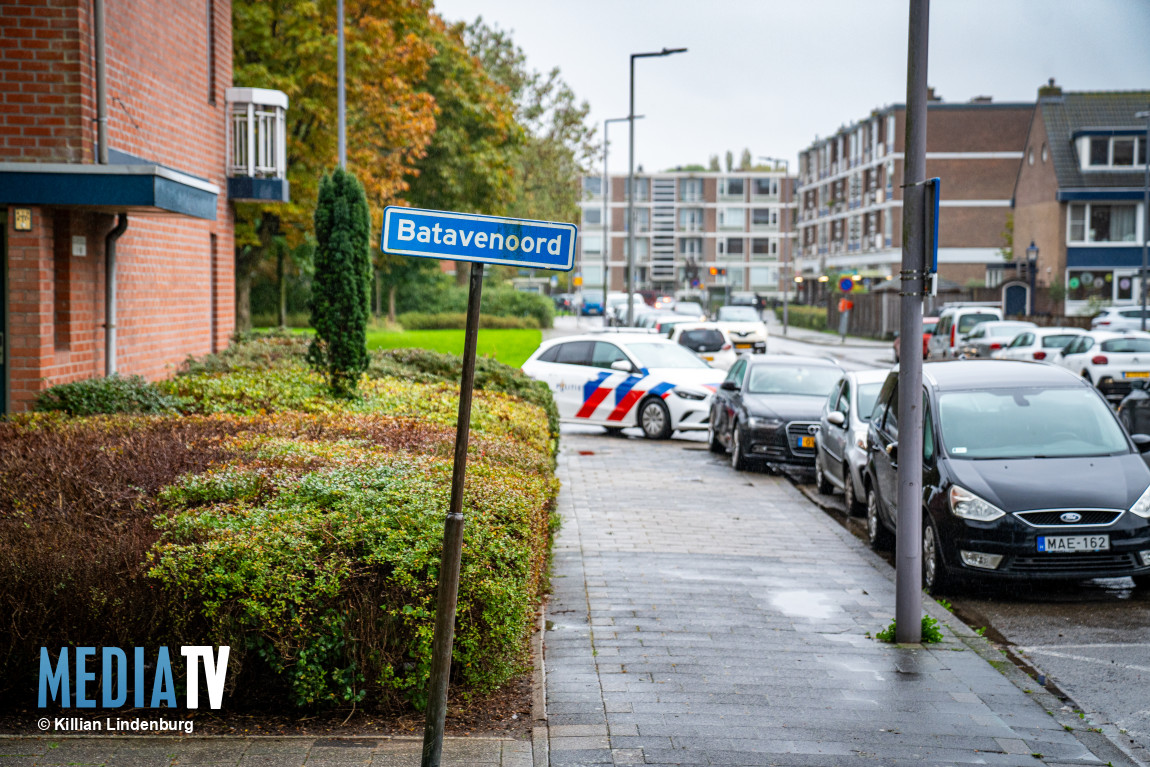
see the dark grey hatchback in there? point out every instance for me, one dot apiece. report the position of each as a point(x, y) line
point(1027, 475)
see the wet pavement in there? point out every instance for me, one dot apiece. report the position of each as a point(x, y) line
point(703, 616)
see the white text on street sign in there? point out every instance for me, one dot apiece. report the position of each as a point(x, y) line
point(485, 239)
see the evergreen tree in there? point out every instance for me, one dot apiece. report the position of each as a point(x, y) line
point(341, 289)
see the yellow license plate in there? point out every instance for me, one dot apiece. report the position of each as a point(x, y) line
point(709, 357)
point(743, 346)
point(1137, 374)
point(806, 441)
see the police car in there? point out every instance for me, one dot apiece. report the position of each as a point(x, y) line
point(617, 380)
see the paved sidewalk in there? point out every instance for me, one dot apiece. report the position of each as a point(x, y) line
point(702, 616)
point(257, 752)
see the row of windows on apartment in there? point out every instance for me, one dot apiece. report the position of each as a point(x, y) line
point(1125, 152)
point(1098, 222)
point(855, 225)
point(690, 189)
point(848, 149)
point(850, 188)
point(763, 247)
point(759, 276)
point(691, 219)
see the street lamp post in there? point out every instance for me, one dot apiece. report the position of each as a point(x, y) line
point(1145, 209)
point(786, 251)
point(607, 210)
point(1031, 266)
point(631, 182)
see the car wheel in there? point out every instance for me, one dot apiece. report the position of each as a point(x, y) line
point(935, 580)
point(738, 460)
point(822, 484)
point(878, 536)
point(850, 497)
point(655, 420)
point(713, 440)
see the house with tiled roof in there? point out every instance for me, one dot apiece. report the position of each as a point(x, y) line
point(1078, 202)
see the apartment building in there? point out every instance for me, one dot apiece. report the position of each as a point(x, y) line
point(849, 192)
point(122, 146)
point(686, 223)
point(1079, 218)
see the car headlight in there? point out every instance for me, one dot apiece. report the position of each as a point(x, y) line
point(967, 505)
point(1141, 507)
point(758, 422)
point(688, 394)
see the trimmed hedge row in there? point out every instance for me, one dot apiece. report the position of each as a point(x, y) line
point(458, 321)
point(813, 317)
point(304, 532)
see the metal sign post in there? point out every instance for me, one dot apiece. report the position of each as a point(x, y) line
point(480, 240)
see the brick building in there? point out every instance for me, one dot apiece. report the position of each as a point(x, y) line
point(149, 206)
point(1079, 200)
point(686, 223)
point(850, 200)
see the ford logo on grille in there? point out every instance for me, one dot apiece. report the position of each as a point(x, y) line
point(1071, 516)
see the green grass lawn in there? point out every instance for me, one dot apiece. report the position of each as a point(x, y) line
point(511, 347)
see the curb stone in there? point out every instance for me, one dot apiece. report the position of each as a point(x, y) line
point(540, 732)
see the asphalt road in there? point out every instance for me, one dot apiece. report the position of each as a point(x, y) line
point(1090, 642)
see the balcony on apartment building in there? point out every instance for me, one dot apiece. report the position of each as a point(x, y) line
point(257, 145)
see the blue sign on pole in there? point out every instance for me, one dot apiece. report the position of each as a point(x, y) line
point(483, 239)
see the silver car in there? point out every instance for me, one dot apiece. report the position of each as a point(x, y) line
point(840, 444)
point(986, 338)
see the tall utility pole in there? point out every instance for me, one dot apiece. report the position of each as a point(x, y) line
point(341, 87)
point(631, 184)
point(1145, 209)
point(607, 210)
point(908, 450)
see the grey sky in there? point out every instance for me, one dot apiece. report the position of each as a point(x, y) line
point(772, 75)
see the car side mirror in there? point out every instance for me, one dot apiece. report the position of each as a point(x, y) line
point(729, 386)
point(836, 417)
point(1141, 441)
point(623, 365)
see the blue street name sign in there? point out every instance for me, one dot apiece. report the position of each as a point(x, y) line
point(483, 239)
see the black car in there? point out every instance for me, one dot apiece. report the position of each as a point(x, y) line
point(1134, 409)
point(1027, 475)
point(767, 409)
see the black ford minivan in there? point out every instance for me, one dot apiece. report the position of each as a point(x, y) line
point(1027, 475)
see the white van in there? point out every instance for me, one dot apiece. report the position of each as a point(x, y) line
point(954, 322)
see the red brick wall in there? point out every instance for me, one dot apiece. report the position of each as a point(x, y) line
point(174, 297)
point(41, 67)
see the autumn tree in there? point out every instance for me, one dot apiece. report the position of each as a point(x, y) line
point(290, 45)
point(559, 145)
point(471, 162)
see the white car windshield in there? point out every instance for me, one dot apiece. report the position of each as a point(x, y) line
point(1028, 423)
point(738, 314)
point(665, 355)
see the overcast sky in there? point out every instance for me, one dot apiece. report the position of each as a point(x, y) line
point(772, 75)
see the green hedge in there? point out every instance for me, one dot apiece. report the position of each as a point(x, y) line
point(813, 317)
point(458, 321)
point(303, 531)
point(114, 394)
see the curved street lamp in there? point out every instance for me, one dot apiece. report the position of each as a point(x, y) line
point(631, 183)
